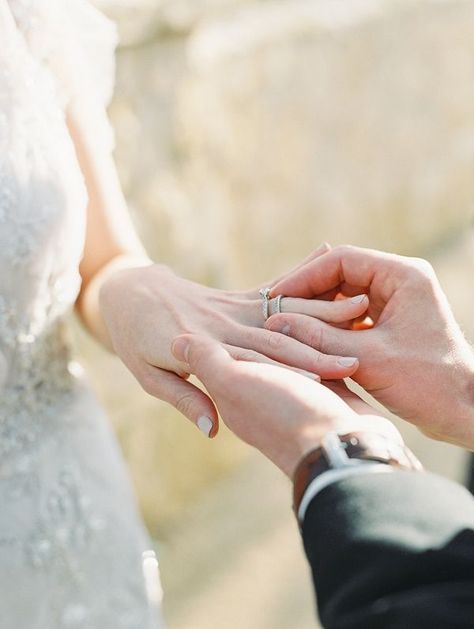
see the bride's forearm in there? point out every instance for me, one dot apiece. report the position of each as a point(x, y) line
point(111, 241)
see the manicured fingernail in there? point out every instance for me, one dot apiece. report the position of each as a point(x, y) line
point(357, 299)
point(325, 247)
point(180, 349)
point(347, 361)
point(205, 424)
point(285, 330)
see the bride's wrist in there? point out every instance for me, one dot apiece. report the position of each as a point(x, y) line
point(124, 265)
point(124, 262)
point(94, 297)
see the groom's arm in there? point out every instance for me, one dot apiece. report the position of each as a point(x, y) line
point(389, 549)
point(392, 550)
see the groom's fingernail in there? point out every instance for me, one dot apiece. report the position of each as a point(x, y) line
point(357, 299)
point(205, 424)
point(347, 361)
point(180, 348)
point(324, 246)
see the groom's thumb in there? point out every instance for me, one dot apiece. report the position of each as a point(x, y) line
point(205, 357)
point(180, 348)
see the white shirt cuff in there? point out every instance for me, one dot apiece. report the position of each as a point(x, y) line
point(332, 476)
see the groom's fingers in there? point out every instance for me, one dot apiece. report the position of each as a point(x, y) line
point(290, 351)
point(353, 266)
point(249, 356)
point(188, 399)
point(320, 251)
point(319, 335)
point(338, 311)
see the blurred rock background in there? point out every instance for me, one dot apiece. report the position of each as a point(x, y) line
point(247, 133)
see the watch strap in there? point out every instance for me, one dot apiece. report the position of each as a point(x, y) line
point(342, 451)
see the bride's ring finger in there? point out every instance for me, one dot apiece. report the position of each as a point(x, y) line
point(337, 311)
point(250, 356)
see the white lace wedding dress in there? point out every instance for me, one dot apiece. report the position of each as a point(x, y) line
point(71, 540)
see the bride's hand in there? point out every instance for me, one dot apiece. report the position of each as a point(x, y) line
point(145, 308)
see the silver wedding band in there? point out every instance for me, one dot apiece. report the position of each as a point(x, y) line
point(274, 305)
point(270, 306)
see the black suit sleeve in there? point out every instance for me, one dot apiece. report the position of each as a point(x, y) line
point(392, 551)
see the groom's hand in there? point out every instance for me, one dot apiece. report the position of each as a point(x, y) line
point(281, 413)
point(415, 359)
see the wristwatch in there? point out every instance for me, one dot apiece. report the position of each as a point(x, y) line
point(348, 450)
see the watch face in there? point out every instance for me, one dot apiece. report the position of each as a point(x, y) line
point(343, 452)
point(335, 450)
point(357, 448)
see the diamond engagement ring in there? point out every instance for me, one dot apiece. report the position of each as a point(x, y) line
point(264, 292)
point(270, 306)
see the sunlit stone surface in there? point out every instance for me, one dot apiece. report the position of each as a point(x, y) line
point(349, 122)
point(251, 131)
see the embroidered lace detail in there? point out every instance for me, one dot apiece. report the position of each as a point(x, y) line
point(38, 382)
point(66, 527)
point(23, 235)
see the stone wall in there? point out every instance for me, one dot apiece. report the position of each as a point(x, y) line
point(266, 127)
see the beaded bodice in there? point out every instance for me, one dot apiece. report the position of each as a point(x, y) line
point(42, 225)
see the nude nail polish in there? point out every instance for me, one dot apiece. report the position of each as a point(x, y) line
point(204, 424)
point(357, 299)
point(347, 361)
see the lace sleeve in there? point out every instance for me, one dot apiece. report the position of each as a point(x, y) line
point(78, 44)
